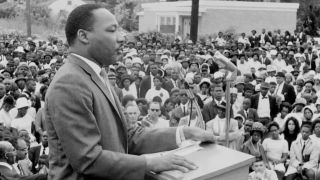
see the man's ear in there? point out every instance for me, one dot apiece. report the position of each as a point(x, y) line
point(83, 36)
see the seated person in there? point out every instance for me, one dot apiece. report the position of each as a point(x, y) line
point(253, 146)
point(276, 150)
point(304, 155)
point(260, 172)
point(218, 125)
point(247, 112)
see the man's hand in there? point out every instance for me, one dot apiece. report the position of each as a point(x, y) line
point(168, 163)
point(198, 134)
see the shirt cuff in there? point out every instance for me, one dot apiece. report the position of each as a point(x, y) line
point(180, 136)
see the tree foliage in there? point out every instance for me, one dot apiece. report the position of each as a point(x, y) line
point(126, 14)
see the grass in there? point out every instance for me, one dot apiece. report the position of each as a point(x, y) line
point(40, 31)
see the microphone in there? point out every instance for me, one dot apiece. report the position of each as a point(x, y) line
point(224, 62)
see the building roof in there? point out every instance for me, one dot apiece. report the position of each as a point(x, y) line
point(207, 4)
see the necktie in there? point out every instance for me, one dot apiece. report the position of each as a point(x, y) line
point(304, 146)
point(184, 110)
point(264, 97)
point(44, 150)
point(20, 169)
point(104, 75)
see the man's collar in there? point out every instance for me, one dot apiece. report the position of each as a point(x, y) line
point(96, 68)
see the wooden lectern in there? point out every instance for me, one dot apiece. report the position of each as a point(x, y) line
point(215, 162)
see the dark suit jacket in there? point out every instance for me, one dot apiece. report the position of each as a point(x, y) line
point(288, 93)
point(209, 111)
point(254, 41)
point(252, 114)
point(273, 104)
point(34, 154)
point(312, 60)
point(87, 132)
point(145, 85)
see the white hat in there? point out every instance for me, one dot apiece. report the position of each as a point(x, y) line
point(233, 90)
point(273, 52)
point(271, 68)
point(164, 57)
point(22, 102)
point(290, 43)
point(218, 74)
point(32, 64)
point(137, 60)
point(19, 49)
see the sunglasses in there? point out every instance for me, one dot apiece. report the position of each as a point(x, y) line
point(157, 110)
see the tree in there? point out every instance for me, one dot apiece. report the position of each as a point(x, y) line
point(126, 14)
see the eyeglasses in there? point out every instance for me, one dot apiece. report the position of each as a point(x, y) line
point(157, 110)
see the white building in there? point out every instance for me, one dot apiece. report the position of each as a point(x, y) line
point(214, 16)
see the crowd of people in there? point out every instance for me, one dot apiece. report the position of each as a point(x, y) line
point(275, 98)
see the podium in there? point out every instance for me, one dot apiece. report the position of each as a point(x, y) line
point(214, 162)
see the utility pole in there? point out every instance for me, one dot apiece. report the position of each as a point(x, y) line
point(28, 16)
point(194, 21)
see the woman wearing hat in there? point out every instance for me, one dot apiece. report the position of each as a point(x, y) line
point(204, 90)
point(253, 146)
point(127, 89)
point(217, 127)
point(23, 120)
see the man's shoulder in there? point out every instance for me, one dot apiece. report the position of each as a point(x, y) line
point(209, 104)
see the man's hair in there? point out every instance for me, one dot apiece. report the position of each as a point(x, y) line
point(307, 125)
point(273, 124)
point(80, 18)
point(126, 99)
point(4, 147)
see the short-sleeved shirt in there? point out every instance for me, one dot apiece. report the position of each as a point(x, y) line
point(275, 148)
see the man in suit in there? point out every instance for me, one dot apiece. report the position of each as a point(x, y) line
point(146, 65)
point(210, 111)
point(254, 39)
point(265, 104)
point(304, 155)
point(285, 91)
point(87, 132)
point(147, 81)
point(7, 159)
point(173, 82)
point(264, 59)
point(247, 112)
point(182, 110)
point(311, 57)
point(37, 151)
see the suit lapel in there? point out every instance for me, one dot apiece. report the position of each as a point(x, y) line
point(123, 120)
point(96, 80)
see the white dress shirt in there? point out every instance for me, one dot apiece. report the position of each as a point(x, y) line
point(97, 69)
point(279, 89)
point(263, 106)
